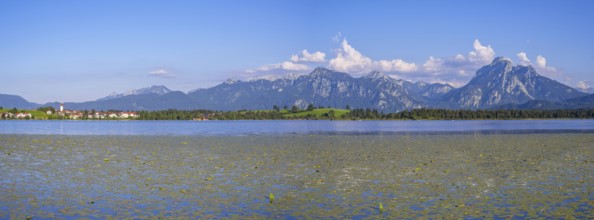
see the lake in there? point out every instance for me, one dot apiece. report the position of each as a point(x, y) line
point(529, 169)
point(234, 128)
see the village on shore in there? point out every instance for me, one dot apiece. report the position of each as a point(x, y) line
point(63, 113)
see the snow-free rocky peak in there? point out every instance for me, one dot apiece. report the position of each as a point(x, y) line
point(157, 89)
point(322, 72)
point(377, 75)
point(231, 81)
point(502, 83)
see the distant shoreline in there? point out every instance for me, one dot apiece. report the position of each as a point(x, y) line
point(297, 114)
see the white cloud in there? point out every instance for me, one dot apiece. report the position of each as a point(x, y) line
point(433, 64)
point(160, 72)
point(287, 65)
point(481, 54)
point(349, 60)
point(542, 68)
point(541, 65)
point(523, 58)
point(541, 61)
point(582, 85)
point(305, 56)
point(456, 70)
point(397, 65)
point(296, 64)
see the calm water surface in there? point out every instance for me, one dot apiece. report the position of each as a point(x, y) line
point(239, 128)
point(525, 169)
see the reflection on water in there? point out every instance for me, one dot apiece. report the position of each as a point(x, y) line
point(239, 128)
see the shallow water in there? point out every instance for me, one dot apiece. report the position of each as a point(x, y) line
point(311, 176)
point(281, 127)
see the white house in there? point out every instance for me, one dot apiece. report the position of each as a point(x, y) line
point(23, 115)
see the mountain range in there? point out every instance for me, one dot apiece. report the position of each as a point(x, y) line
point(499, 85)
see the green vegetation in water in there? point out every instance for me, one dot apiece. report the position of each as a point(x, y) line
point(317, 176)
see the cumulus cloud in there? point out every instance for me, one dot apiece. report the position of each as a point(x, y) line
point(458, 69)
point(161, 72)
point(481, 53)
point(397, 65)
point(540, 66)
point(541, 61)
point(523, 58)
point(434, 64)
point(479, 56)
point(305, 56)
point(298, 63)
point(287, 65)
point(582, 85)
point(349, 60)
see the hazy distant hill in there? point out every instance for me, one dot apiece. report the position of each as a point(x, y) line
point(157, 90)
point(14, 101)
point(151, 101)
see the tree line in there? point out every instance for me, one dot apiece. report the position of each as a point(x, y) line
point(447, 114)
point(369, 114)
point(353, 114)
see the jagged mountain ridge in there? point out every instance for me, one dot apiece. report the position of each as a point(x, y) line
point(497, 85)
point(501, 83)
point(322, 87)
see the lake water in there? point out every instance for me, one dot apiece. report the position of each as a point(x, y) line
point(516, 169)
point(240, 128)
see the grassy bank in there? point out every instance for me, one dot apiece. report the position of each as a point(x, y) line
point(34, 113)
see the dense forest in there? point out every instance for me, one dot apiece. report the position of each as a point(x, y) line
point(367, 114)
point(443, 114)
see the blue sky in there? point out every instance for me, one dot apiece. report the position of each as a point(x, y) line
point(84, 50)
